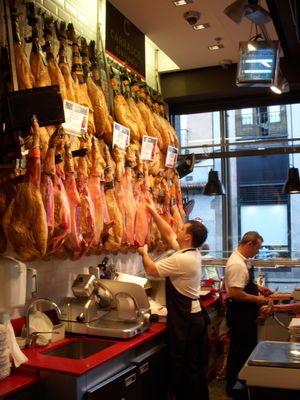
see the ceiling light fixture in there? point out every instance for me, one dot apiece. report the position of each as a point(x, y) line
point(292, 185)
point(214, 186)
point(198, 27)
point(216, 47)
point(178, 3)
point(251, 46)
point(281, 86)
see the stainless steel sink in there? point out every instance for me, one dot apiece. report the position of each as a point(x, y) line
point(79, 349)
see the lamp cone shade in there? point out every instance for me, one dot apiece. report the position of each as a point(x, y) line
point(292, 185)
point(214, 186)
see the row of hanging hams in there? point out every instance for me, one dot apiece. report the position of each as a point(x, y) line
point(60, 210)
point(78, 196)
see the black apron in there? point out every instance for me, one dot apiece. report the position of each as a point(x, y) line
point(186, 340)
point(241, 321)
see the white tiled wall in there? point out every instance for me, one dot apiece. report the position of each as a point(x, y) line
point(55, 277)
point(83, 14)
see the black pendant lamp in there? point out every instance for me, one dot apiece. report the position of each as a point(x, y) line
point(214, 186)
point(292, 185)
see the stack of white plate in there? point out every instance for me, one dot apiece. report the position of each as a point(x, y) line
point(4, 353)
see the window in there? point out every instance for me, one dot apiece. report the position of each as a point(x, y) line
point(266, 219)
point(247, 116)
point(254, 198)
point(200, 134)
point(274, 114)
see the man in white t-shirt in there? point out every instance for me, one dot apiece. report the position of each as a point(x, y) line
point(186, 322)
point(245, 299)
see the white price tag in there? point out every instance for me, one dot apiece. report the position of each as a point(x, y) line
point(121, 136)
point(76, 117)
point(148, 148)
point(171, 158)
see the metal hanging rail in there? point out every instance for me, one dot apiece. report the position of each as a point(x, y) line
point(225, 152)
point(268, 263)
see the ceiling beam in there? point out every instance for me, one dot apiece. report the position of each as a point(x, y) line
point(214, 88)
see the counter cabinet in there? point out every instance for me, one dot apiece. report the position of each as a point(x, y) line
point(136, 374)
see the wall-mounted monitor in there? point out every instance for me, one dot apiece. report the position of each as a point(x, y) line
point(258, 63)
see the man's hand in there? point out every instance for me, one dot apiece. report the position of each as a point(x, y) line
point(143, 250)
point(264, 291)
point(265, 312)
point(148, 264)
point(261, 300)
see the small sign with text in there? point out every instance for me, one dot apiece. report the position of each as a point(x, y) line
point(76, 117)
point(121, 136)
point(148, 148)
point(171, 158)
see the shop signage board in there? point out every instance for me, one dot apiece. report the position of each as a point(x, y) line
point(121, 136)
point(149, 144)
point(76, 117)
point(171, 158)
point(124, 40)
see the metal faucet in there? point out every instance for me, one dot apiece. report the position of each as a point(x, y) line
point(29, 336)
point(34, 336)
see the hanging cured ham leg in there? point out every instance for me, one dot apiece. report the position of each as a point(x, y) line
point(74, 241)
point(62, 217)
point(95, 92)
point(174, 209)
point(176, 182)
point(116, 233)
point(55, 73)
point(81, 92)
point(87, 220)
point(119, 157)
point(61, 33)
point(96, 189)
point(37, 62)
point(23, 70)
point(47, 183)
point(25, 222)
point(142, 220)
point(127, 183)
point(7, 193)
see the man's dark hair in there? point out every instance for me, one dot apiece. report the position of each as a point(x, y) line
point(251, 236)
point(198, 232)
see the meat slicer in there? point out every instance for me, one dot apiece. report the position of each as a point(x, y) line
point(104, 307)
